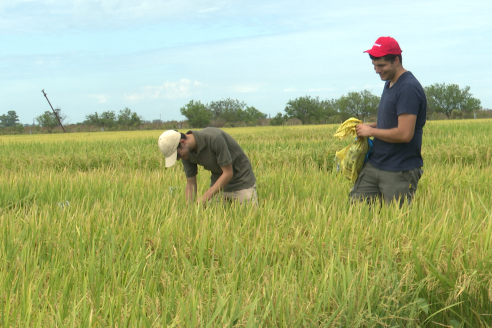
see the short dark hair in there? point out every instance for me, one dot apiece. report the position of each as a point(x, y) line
point(390, 58)
point(183, 136)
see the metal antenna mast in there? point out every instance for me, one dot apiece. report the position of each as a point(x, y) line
point(56, 115)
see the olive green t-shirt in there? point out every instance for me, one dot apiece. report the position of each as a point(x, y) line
point(216, 149)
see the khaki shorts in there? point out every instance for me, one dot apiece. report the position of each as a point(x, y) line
point(373, 183)
point(242, 196)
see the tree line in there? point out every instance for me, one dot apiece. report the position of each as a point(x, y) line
point(448, 100)
point(232, 112)
point(125, 120)
point(10, 122)
point(227, 112)
point(312, 110)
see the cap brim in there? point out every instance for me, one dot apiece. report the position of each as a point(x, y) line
point(376, 53)
point(171, 160)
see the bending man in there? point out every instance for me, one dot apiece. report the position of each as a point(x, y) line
point(232, 175)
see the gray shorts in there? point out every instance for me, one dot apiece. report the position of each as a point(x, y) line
point(373, 183)
point(243, 196)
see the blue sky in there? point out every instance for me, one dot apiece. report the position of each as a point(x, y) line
point(154, 56)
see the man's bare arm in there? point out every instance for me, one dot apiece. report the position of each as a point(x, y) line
point(222, 181)
point(191, 188)
point(403, 133)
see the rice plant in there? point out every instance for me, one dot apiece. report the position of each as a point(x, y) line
point(96, 233)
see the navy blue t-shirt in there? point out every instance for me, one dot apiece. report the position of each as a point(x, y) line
point(405, 96)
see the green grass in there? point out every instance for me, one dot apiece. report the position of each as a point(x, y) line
point(95, 233)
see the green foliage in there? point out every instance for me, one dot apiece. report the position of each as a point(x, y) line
point(444, 98)
point(108, 119)
point(233, 111)
point(310, 110)
point(456, 114)
point(9, 119)
point(251, 115)
point(198, 114)
point(358, 104)
point(228, 109)
point(9, 123)
point(126, 118)
point(92, 119)
point(279, 119)
point(49, 121)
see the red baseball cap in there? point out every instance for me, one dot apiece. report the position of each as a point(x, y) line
point(383, 46)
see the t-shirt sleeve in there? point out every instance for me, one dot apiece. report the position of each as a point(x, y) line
point(409, 100)
point(221, 150)
point(190, 169)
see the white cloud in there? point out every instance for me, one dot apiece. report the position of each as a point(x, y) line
point(245, 88)
point(183, 88)
point(12, 3)
point(208, 10)
point(101, 99)
point(320, 89)
point(422, 15)
point(374, 87)
point(51, 15)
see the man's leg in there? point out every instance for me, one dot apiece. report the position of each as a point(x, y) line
point(399, 186)
point(366, 187)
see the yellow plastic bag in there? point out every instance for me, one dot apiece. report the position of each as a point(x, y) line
point(350, 159)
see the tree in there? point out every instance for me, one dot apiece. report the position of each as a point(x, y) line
point(310, 110)
point(326, 111)
point(135, 120)
point(49, 121)
point(92, 119)
point(198, 114)
point(444, 98)
point(125, 118)
point(9, 119)
point(229, 110)
point(358, 104)
point(251, 115)
point(108, 119)
point(278, 119)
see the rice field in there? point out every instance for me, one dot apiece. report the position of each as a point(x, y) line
point(95, 232)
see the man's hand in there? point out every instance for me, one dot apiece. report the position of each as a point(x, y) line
point(202, 201)
point(364, 130)
point(403, 133)
point(222, 181)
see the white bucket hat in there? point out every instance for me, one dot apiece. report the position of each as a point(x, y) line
point(168, 144)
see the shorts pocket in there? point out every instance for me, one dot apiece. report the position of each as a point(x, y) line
point(357, 182)
point(412, 177)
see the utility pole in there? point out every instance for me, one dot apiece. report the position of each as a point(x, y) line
point(56, 115)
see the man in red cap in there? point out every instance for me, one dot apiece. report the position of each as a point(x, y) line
point(393, 170)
